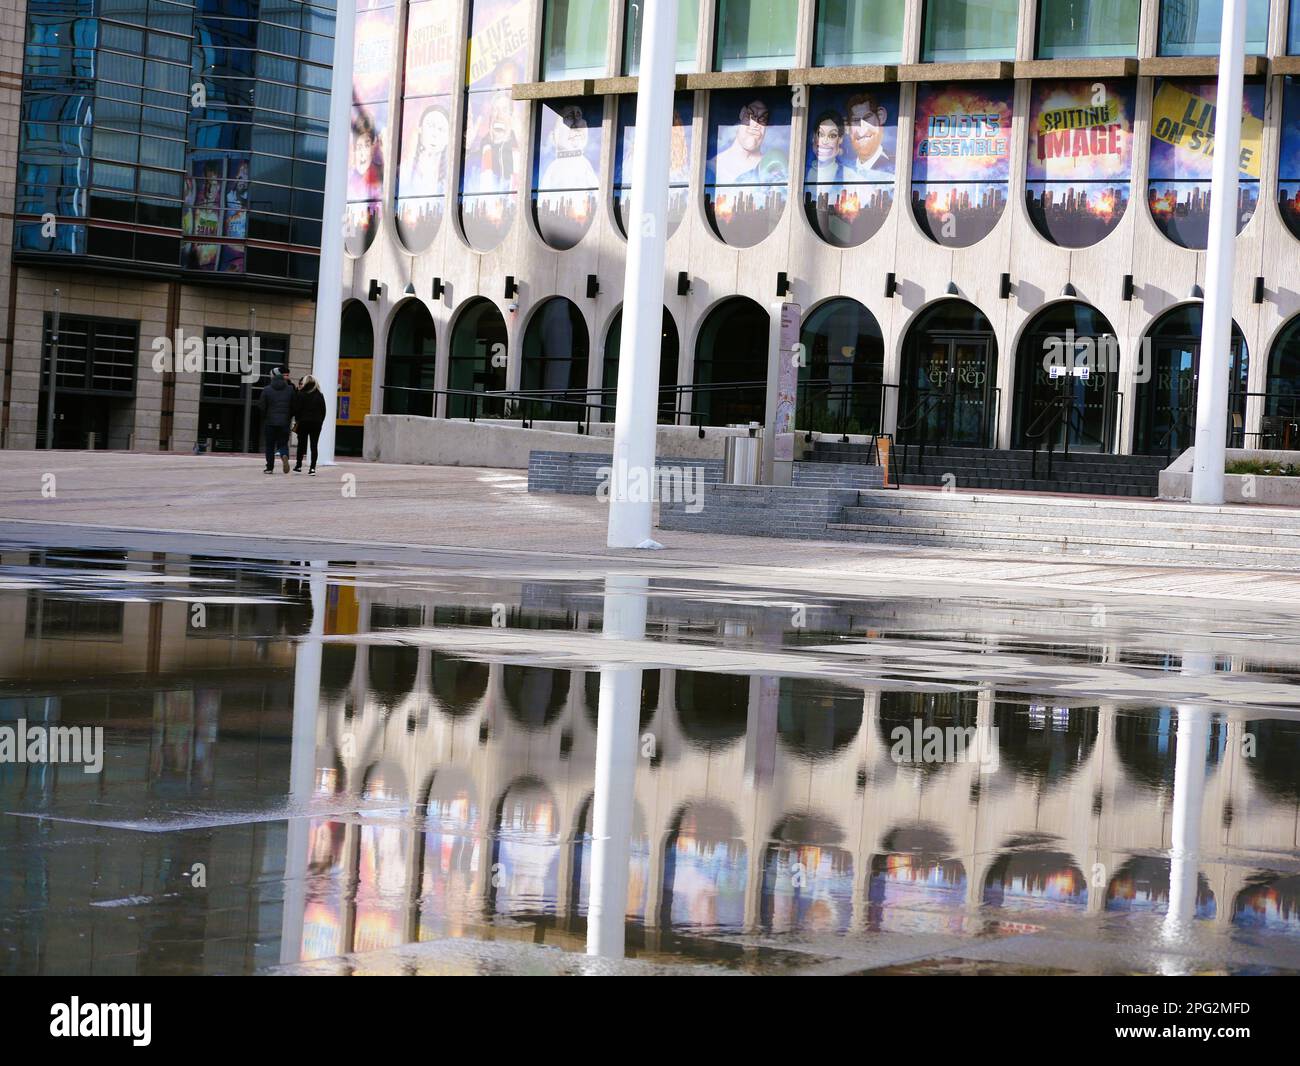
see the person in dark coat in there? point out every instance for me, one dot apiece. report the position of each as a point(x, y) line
point(276, 405)
point(309, 415)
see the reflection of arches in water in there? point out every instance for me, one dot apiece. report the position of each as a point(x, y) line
point(712, 709)
point(899, 711)
point(1042, 742)
point(638, 873)
point(1147, 740)
point(817, 719)
point(807, 879)
point(649, 696)
point(706, 870)
point(1270, 902)
point(1035, 878)
point(381, 894)
point(338, 662)
point(392, 672)
point(525, 850)
point(1142, 884)
point(914, 884)
point(1275, 765)
point(458, 684)
point(535, 695)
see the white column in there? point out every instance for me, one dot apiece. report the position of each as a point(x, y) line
point(617, 722)
point(329, 287)
point(1216, 322)
point(643, 288)
point(1189, 798)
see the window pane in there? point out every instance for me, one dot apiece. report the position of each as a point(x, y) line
point(573, 42)
point(1193, 29)
point(755, 34)
point(688, 32)
point(957, 30)
point(1069, 29)
point(850, 33)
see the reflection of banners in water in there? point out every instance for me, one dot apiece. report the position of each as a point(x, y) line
point(1185, 121)
point(962, 134)
point(372, 57)
point(430, 49)
point(500, 34)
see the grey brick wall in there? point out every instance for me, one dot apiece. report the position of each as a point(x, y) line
point(837, 476)
point(579, 474)
point(761, 510)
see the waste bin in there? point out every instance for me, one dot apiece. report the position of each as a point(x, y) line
point(744, 455)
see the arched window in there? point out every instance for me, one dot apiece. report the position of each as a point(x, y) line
point(668, 348)
point(961, 157)
point(950, 359)
point(1281, 427)
point(731, 365)
point(1080, 159)
point(428, 80)
point(477, 361)
point(556, 348)
point(747, 175)
point(844, 362)
point(408, 371)
point(1165, 420)
point(1067, 371)
point(1182, 142)
point(852, 144)
point(356, 376)
point(371, 85)
point(526, 850)
point(566, 168)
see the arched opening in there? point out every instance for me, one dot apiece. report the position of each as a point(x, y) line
point(668, 349)
point(1142, 885)
point(1166, 393)
point(1281, 426)
point(731, 365)
point(477, 361)
point(525, 850)
point(535, 695)
point(356, 374)
point(1035, 878)
point(712, 709)
point(815, 719)
point(458, 684)
point(950, 361)
point(1067, 375)
point(556, 347)
point(408, 372)
point(915, 879)
point(844, 366)
point(807, 877)
point(706, 871)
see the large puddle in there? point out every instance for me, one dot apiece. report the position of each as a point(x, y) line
point(372, 767)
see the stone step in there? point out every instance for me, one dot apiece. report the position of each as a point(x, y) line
point(965, 502)
point(1111, 487)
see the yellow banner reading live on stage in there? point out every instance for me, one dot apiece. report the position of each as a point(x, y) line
point(355, 378)
point(1186, 121)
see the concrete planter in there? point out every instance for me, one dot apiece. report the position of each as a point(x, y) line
point(1176, 480)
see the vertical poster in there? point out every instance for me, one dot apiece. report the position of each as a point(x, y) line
point(566, 175)
point(1080, 159)
point(787, 384)
point(425, 122)
point(747, 173)
point(495, 125)
point(679, 160)
point(961, 159)
point(1182, 157)
point(849, 175)
point(355, 379)
point(214, 217)
point(1288, 174)
point(371, 82)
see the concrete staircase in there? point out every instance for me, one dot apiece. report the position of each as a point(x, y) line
point(1088, 473)
point(1259, 537)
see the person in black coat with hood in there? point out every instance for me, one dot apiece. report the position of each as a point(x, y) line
point(276, 405)
point(309, 413)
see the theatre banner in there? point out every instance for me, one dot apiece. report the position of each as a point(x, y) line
point(428, 79)
point(1288, 176)
point(1080, 158)
point(1182, 157)
point(679, 159)
point(747, 172)
point(566, 174)
point(961, 158)
point(849, 165)
point(371, 83)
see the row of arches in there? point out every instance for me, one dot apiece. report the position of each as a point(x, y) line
point(947, 390)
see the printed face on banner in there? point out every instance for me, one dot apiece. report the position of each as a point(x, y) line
point(365, 176)
point(852, 144)
point(1080, 159)
point(961, 160)
point(679, 159)
point(216, 207)
point(422, 175)
point(1288, 183)
point(567, 166)
point(1182, 150)
point(747, 174)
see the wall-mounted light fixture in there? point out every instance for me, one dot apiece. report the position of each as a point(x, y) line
point(891, 285)
point(952, 289)
point(438, 289)
point(593, 286)
point(1197, 293)
point(1259, 291)
point(1068, 290)
point(683, 283)
point(376, 288)
point(410, 289)
point(1126, 290)
point(782, 283)
point(512, 289)
point(1004, 287)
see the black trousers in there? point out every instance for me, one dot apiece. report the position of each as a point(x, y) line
point(308, 432)
point(277, 441)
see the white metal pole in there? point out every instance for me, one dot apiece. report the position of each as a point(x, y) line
point(1216, 321)
point(329, 287)
point(630, 506)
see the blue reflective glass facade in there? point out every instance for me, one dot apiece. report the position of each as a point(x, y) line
point(179, 137)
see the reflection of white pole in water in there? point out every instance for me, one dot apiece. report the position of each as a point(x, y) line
point(329, 284)
point(302, 769)
point(618, 718)
point(637, 407)
point(1189, 795)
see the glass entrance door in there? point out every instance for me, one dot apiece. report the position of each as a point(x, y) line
point(948, 401)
